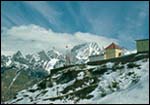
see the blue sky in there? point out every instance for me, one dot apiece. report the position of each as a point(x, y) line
point(124, 21)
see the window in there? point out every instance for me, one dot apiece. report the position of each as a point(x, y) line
point(119, 54)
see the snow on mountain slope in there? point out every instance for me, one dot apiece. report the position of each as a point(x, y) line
point(133, 95)
point(81, 52)
point(18, 55)
point(47, 60)
point(9, 62)
point(40, 60)
point(111, 82)
point(5, 61)
point(54, 53)
point(50, 64)
point(14, 79)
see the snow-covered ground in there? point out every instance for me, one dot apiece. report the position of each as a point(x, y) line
point(135, 94)
point(127, 85)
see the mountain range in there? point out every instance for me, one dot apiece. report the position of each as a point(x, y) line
point(124, 81)
point(51, 59)
point(32, 68)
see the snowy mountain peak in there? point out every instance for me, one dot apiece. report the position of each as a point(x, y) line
point(115, 82)
point(5, 61)
point(54, 54)
point(81, 52)
point(53, 58)
point(18, 54)
point(43, 55)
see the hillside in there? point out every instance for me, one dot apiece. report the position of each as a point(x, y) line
point(92, 83)
point(13, 81)
point(30, 68)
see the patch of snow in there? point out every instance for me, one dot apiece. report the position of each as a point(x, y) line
point(56, 76)
point(36, 57)
point(127, 52)
point(14, 79)
point(80, 75)
point(109, 64)
point(50, 65)
point(9, 62)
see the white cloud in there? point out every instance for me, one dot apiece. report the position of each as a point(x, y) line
point(7, 52)
point(33, 38)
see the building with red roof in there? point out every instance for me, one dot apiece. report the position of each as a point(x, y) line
point(113, 51)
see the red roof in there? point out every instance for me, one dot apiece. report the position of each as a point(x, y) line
point(113, 46)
